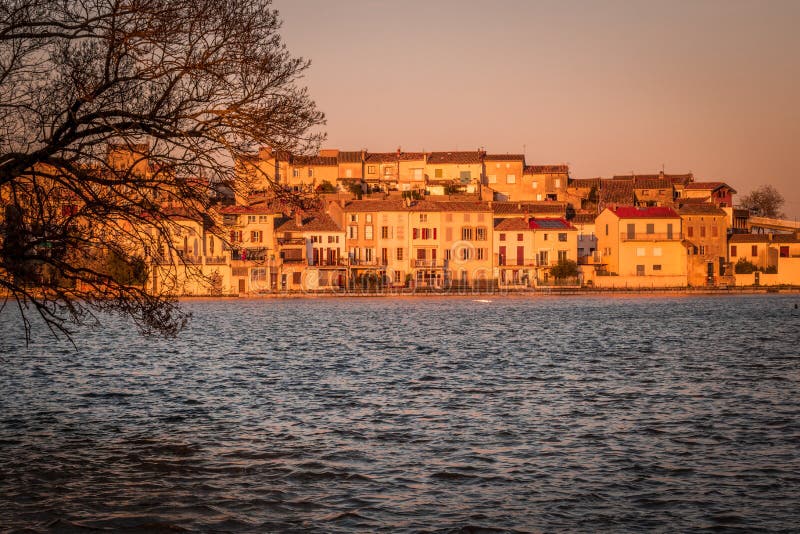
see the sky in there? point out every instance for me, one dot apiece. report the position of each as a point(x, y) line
point(609, 87)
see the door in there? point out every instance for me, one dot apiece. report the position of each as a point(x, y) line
point(631, 231)
point(520, 255)
point(502, 259)
point(241, 285)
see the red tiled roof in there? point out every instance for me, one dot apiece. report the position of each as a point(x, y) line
point(631, 212)
point(349, 157)
point(314, 160)
point(708, 186)
point(312, 222)
point(546, 169)
point(583, 218)
point(512, 224)
point(435, 158)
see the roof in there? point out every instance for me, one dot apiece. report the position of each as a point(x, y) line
point(550, 224)
point(546, 169)
point(314, 160)
point(616, 191)
point(708, 186)
point(350, 157)
point(651, 182)
point(631, 212)
point(375, 205)
point(435, 158)
point(312, 222)
point(585, 183)
point(504, 157)
point(701, 209)
point(764, 238)
point(522, 208)
point(262, 209)
point(381, 157)
point(512, 224)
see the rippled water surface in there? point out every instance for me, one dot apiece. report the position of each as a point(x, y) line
point(438, 414)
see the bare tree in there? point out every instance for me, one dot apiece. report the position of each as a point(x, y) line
point(112, 109)
point(764, 201)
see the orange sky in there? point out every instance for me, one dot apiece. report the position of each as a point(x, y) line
point(608, 87)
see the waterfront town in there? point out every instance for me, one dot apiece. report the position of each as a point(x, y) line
point(461, 220)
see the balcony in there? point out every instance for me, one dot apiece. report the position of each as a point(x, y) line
point(216, 260)
point(291, 241)
point(429, 264)
point(367, 263)
point(341, 262)
point(514, 262)
point(643, 236)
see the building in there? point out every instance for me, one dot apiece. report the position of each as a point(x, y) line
point(705, 228)
point(641, 247)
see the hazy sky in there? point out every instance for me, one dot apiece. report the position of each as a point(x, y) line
point(608, 87)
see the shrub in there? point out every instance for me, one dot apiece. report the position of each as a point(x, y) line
point(564, 269)
point(745, 267)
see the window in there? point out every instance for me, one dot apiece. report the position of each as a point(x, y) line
point(702, 250)
point(384, 232)
point(388, 170)
point(520, 237)
point(368, 218)
point(263, 218)
point(754, 250)
point(256, 237)
point(399, 253)
point(733, 251)
point(640, 270)
point(480, 233)
point(310, 173)
point(657, 267)
point(426, 233)
point(562, 236)
point(297, 278)
point(437, 173)
point(640, 251)
point(331, 238)
point(645, 192)
point(562, 255)
point(465, 176)
point(417, 174)
point(348, 173)
point(466, 253)
point(511, 179)
point(557, 182)
point(466, 234)
point(296, 173)
point(384, 256)
point(545, 236)
point(702, 231)
point(398, 276)
point(651, 228)
point(353, 217)
point(423, 217)
point(714, 231)
point(352, 232)
point(251, 219)
point(415, 233)
point(690, 231)
point(368, 232)
point(784, 251)
point(481, 253)
point(657, 251)
point(447, 254)
point(258, 274)
point(606, 229)
point(502, 236)
point(492, 178)
point(370, 169)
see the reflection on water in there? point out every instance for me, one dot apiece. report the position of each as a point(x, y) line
point(350, 414)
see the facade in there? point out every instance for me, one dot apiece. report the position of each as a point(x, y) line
point(504, 176)
point(527, 248)
point(705, 228)
point(643, 245)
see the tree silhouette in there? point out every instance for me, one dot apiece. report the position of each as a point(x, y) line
point(113, 110)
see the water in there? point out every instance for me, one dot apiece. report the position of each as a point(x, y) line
point(347, 415)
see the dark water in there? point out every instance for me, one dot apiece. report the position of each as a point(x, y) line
point(376, 415)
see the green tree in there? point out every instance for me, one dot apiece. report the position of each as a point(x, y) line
point(764, 201)
point(564, 269)
point(326, 187)
point(181, 89)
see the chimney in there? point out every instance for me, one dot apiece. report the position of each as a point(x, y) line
point(298, 218)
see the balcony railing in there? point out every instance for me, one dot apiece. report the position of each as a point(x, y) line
point(368, 263)
point(515, 262)
point(643, 236)
point(429, 263)
point(341, 262)
point(291, 241)
point(216, 260)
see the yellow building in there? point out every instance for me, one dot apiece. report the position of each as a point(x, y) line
point(250, 236)
point(504, 175)
point(641, 247)
point(312, 251)
point(545, 182)
point(705, 229)
point(457, 168)
point(776, 256)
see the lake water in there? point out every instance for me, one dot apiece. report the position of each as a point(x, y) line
point(339, 415)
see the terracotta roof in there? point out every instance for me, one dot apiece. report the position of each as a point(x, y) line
point(314, 160)
point(349, 157)
point(411, 156)
point(504, 157)
point(435, 158)
point(631, 212)
point(375, 205)
point(312, 222)
point(696, 200)
point(616, 191)
point(512, 224)
point(701, 209)
point(585, 183)
point(450, 206)
point(522, 208)
point(765, 238)
point(651, 182)
point(679, 179)
point(546, 169)
point(381, 157)
point(708, 186)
